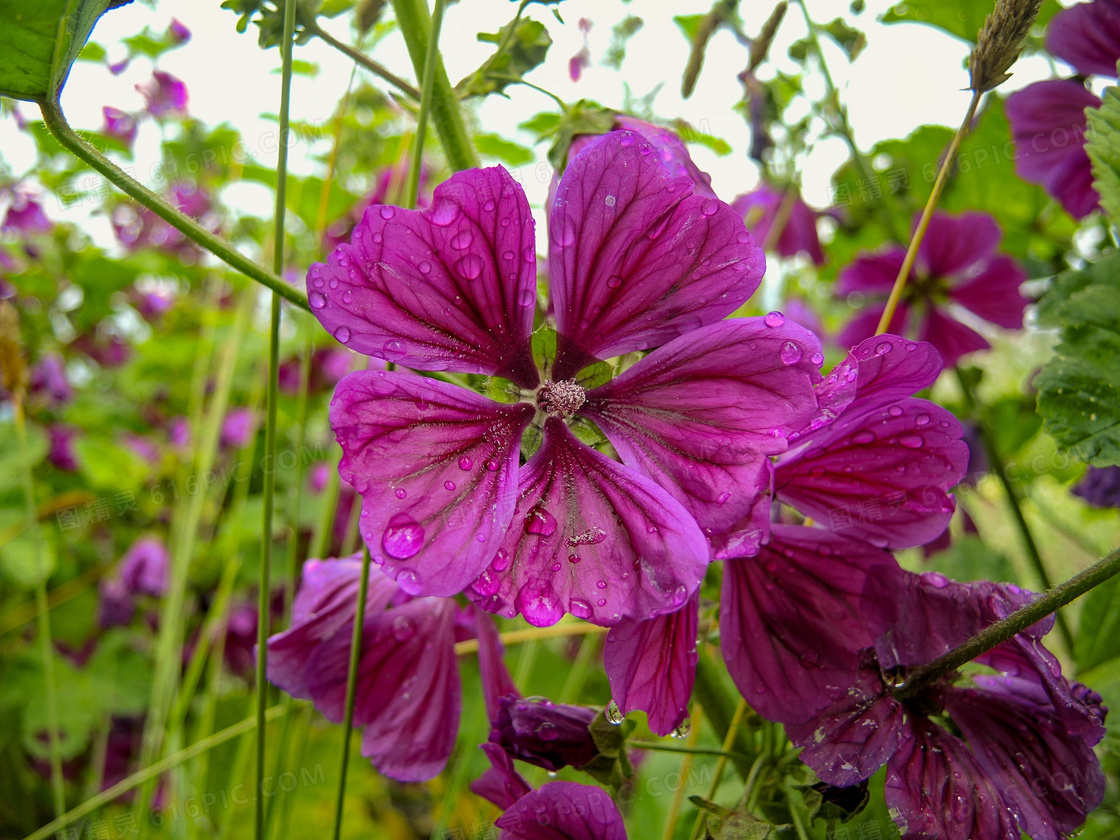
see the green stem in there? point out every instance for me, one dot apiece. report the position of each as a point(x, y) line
point(64, 134)
point(1001, 631)
point(648, 745)
point(1016, 502)
point(430, 60)
point(351, 690)
point(141, 776)
point(412, 17)
point(720, 708)
point(364, 61)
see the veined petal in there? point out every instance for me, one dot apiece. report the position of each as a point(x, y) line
point(1087, 36)
point(436, 466)
point(450, 288)
point(994, 294)
point(872, 274)
point(635, 258)
point(563, 811)
point(952, 338)
point(795, 617)
point(953, 243)
point(593, 538)
point(408, 696)
point(651, 665)
point(700, 415)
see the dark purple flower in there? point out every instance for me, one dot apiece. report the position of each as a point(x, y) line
point(119, 124)
point(143, 570)
point(1048, 125)
point(538, 731)
point(166, 95)
point(108, 350)
point(61, 452)
point(177, 33)
point(151, 304)
point(760, 209)
point(238, 428)
point(1087, 36)
point(117, 605)
point(25, 215)
point(408, 698)
point(957, 263)
point(48, 380)
point(446, 504)
point(1100, 487)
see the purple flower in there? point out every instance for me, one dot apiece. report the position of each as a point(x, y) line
point(389, 186)
point(166, 95)
point(636, 261)
point(1015, 753)
point(61, 452)
point(1100, 487)
point(177, 33)
point(179, 431)
point(760, 210)
point(119, 124)
point(109, 351)
point(544, 733)
point(328, 366)
point(956, 263)
point(408, 698)
point(238, 428)
point(48, 380)
point(1048, 125)
point(120, 66)
point(143, 570)
point(1087, 36)
point(151, 304)
point(578, 62)
point(25, 215)
point(143, 446)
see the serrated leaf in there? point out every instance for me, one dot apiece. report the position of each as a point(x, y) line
point(1098, 634)
point(1103, 145)
point(1079, 389)
point(492, 145)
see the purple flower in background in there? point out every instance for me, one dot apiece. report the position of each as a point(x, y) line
point(238, 428)
point(108, 350)
point(119, 124)
point(25, 215)
point(61, 452)
point(177, 33)
point(581, 60)
point(143, 446)
point(389, 187)
point(166, 95)
point(1100, 487)
point(138, 227)
point(151, 304)
point(1087, 37)
point(143, 570)
point(760, 210)
point(179, 431)
point(120, 66)
point(328, 366)
point(636, 261)
point(48, 380)
point(549, 735)
point(957, 263)
point(1048, 125)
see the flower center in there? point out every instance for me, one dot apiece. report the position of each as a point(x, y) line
point(561, 399)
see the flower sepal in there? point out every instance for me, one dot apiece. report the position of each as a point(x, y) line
point(611, 766)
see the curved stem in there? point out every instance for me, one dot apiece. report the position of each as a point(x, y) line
point(430, 59)
point(364, 61)
point(1001, 631)
point(64, 134)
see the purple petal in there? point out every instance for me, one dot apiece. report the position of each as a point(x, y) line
point(954, 243)
point(952, 338)
point(25, 215)
point(408, 696)
point(145, 566)
point(564, 811)
point(635, 258)
point(994, 294)
point(501, 784)
point(48, 378)
point(759, 210)
point(1099, 487)
point(1087, 36)
point(593, 538)
point(651, 665)
point(166, 95)
point(450, 288)
point(1049, 778)
point(936, 791)
point(864, 325)
point(795, 617)
point(436, 466)
point(549, 735)
point(856, 735)
point(744, 537)
point(493, 674)
point(673, 152)
point(700, 415)
point(935, 615)
point(873, 274)
point(1048, 126)
point(882, 475)
point(119, 124)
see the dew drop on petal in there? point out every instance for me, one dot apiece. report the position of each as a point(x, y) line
point(579, 608)
point(882, 348)
point(394, 349)
point(709, 207)
point(723, 498)
point(539, 603)
point(574, 558)
point(526, 297)
point(404, 628)
point(425, 267)
point(317, 300)
point(342, 334)
point(465, 463)
point(409, 581)
point(540, 521)
point(682, 730)
point(462, 240)
point(492, 465)
point(469, 266)
point(489, 206)
point(529, 254)
point(488, 583)
point(444, 212)
point(566, 232)
point(547, 731)
point(403, 537)
point(922, 420)
point(449, 485)
point(774, 319)
point(614, 281)
point(347, 296)
point(386, 212)
point(895, 411)
point(501, 561)
point(400, 492)
point(627, 139)
point(508, 255)
point(817, 358)
point(614, 714)
point(602, 584)
point(863, 436)
point(911, 441)
point(790, 353)
point(602, 602)
point(678, 596)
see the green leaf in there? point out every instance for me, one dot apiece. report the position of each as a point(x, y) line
point(1079, 389)
point(14, 459)
point(27, 560)
point(962, 18)
point(492, 145)
point(1098, 634)
point(848, 38)
point(1103, 145)
point(29, 31)
point(83, 17)
point(520, 50)
point(108, 465)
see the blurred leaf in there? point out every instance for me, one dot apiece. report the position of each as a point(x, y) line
point(690, 135)
point(1079, 389)
point(1098, 633)
point(27, 560)
point(968, 558)
point(92, 52)
point(1012, 422)
point(621, 33)
point(27, 45)
point(850, 40)
point(493, 145)
point(1103, 145)
point(14, 459)
point(963, 18)
point(522, 46)
point(107, 465)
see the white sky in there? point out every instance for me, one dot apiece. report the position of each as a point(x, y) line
point(909, 74)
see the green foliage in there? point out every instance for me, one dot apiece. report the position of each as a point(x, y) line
point(28, 40)
point(1079, 389)
point(847, 37)
point(508, 152)
point(522, 46)
point(27, 560)
point(1098, 636)
point(1103, 145)
point(962, 19)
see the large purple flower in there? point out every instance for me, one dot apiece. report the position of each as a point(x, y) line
point(636, 261)
point(957, 263)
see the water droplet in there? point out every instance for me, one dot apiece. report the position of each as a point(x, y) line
point(342, 334)
point(602, 584)
point(817, 358)
point(864, 436)
point(602, 602)
point(403, 536)
point(682, 729)
point(678, 596)
point(317, 300)
point(529, 254)
point(394, 349)
point(895, 411)
point(404, 628)
point(921, 420)
point(574, 558)
point(387, 212)
point(579, 608)
point(614, 714)
point(723, 498)
point(526, 297)
point(465, 463)
point(462, 240)
point(444, 212)
point(709, 207)
point(883, 348)
point(333, 284)
point(347, 296)
point(400, 492)
point(791, 353)
point(911, 441)
point(449, 485)
point(492, 465)
point(627, 139)
point(425, 267)
point(508, 255)
point(469, 266)
point(488, 582)
point(409, 581)
point(774, 319)
point(547, 731)
point(540, 521)
point(489, 206)
point(614, 281)
point(565, 231)
point(937, 579)
point(539, 604)
point(501, 561)
point(555, 567)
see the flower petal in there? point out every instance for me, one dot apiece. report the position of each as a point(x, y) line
point(952, 338)
point(408, 696)
point(436, 466)
point(954, 243)
point(936, 791)
point(1087, 36)
point(651, 665)
point(493, 674)
point(700, 415)
point(795, 617)
point(593, 538)
point(501, 784)
point(636, 258)
point(866, 322)
point(563, 811)
point(450, 288)
point(994, 294)
point(872, 274)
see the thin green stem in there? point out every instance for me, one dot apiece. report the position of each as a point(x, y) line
point(141, 776)
point(64, 134)
point(364, 61)
point(1016, 503)
point(720, 708)
point(351, 691)
point(447, 114)
point(426, 93)
point(1018, 621)
point(927, 213)
point(649, 745)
